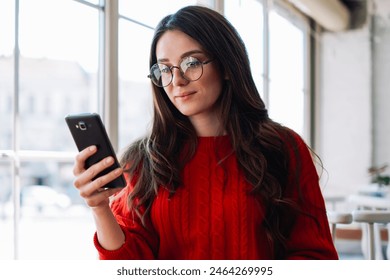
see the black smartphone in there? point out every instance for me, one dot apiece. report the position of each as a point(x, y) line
point(87, 129)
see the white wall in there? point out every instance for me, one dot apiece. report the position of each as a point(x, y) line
point(355, 75)
point(381, 79)
point(345, 110)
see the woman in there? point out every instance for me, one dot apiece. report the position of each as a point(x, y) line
point(215, 178)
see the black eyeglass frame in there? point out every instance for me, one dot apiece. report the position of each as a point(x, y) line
point(180, 70)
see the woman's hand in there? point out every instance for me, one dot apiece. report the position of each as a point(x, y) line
point(109, 233)
point(91, 189)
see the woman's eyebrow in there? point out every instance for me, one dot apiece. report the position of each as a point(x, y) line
point(189, 53)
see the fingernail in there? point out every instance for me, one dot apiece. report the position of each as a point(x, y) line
point(92, 148)
point(109, 160)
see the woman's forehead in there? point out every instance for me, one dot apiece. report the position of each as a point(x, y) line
point(175, 44)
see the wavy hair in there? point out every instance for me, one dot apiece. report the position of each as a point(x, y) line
point(259, 143)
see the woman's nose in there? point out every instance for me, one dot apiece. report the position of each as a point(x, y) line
point(178, 79)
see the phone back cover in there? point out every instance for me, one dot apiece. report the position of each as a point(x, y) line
point(93, 133)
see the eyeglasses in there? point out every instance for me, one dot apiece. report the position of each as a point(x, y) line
point(191, 69)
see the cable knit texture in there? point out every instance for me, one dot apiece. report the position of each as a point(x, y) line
point(212, 216)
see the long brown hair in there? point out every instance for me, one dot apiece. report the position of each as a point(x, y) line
point(259, 143)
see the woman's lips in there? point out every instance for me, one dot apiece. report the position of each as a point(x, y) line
point(184, 95)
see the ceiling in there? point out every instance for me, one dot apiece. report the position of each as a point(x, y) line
point(335, 15)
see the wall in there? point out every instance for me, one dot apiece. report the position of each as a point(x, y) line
point(354, 87)
point(381, 82)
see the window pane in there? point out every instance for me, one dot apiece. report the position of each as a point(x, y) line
point(135, 98)
point(286, 98)
point(58, 70)
point(6, 211)
point(150, 12)
point(7, 27)
point(247, 17)
point(54, 221)
point(7, 30)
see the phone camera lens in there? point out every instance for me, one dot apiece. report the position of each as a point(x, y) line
point(82, 125)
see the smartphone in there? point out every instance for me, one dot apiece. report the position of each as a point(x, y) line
point(87, 129)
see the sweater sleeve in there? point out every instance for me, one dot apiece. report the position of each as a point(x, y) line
point(310, 237)
point(140, 242)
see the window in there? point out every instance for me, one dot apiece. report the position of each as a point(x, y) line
point(247, 17)
point(54, 73)
point(135, 98)
point(287, 71)
point(276, 41)
point(7, 31)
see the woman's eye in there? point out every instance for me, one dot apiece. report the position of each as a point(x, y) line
point(165, 70)
point(193, 64)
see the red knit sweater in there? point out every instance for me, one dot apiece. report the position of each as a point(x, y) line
point(212, 217)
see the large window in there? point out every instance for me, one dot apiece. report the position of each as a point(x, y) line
point(49, 68)
point(276, 41)
point(54, 61)
point(287, 68)
point(247, 18)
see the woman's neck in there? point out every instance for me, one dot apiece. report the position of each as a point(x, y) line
point(207, 126)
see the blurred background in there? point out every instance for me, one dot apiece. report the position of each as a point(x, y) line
point(321, 66)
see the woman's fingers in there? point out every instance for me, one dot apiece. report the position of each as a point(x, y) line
point(81, 158)
point(97, 183)
point(92, 191)
point(89, 185)
point(100, 196)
